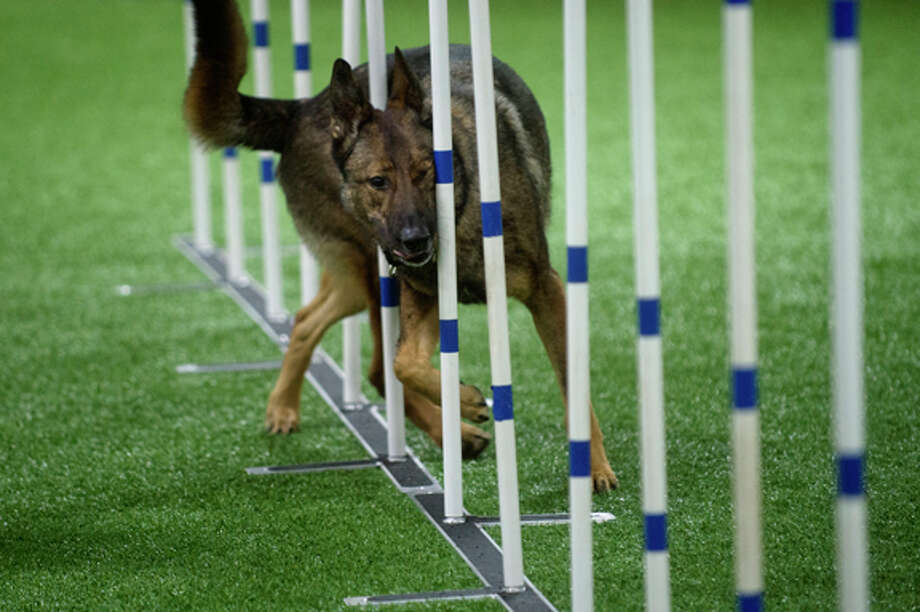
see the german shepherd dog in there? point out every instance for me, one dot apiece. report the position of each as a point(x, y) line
point(355, 177)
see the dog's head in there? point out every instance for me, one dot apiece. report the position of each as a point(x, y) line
point(386, 163)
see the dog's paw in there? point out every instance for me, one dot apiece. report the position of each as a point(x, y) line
point(604, 479)
point(281, 418)
point(473, 404)
point(474, 441)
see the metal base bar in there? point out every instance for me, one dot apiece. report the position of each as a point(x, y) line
point(208, 368)
point(458, 595)
point(409, 475)
point(248, 294)
point(126, 290)
point(542, 519)
point(308, 468)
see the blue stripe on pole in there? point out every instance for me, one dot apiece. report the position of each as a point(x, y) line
point(737, 1)
point(656, 532)
point(491, 219)
point(649, 310)
point(502, 403)
point(389, 291)
point(577, 264)
point(267, 169)
point(750, 602)
point(230, 153)
point(302, 56)
point(260, 33)
point(579, 458)
point(450, 337)
point(444, 166)
point(744, 388)
point(850, 475)
point(844, 19)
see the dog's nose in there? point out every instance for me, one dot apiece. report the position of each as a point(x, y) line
point(415, 239)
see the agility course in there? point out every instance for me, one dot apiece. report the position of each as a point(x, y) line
point(798, 542)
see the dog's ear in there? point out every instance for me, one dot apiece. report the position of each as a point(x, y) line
point(349, 108)
point(406, 90)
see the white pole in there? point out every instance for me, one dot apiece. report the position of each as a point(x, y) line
point(376, 53)
point(447, 261)
point(300, 30)
point(271, 247)
point(648, 294)
point(351, 326)
point(389, 286)
point(303, 87)
point(351, 31)
point(736, 17)
point(496, 295)
point(200, 182)
point(578, 352)
point(846, 308)
point(233, 216)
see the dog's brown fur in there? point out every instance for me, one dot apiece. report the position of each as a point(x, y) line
point(356, 177)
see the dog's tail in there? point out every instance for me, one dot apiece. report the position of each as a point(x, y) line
point(214, 110)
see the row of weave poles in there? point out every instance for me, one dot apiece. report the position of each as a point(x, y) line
point(738, 83)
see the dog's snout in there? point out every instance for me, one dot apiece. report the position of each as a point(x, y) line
point(415, 238)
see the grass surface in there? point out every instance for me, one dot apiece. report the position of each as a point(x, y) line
point(123, 483)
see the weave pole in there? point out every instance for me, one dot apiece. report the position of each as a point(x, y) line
point(303, 87)
point(736, 21)
point(648, 292)
point(351, 326)
point(351, 31)
point(198, 157)
point(846, 306)
point(271, 245)
point(496, 295)
point(447, 261)
point(233, 215)
point(389, 286)
point(578, 353)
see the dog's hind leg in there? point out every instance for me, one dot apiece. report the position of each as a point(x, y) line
point(546, 303)
point(418, 341)
point(340, 294)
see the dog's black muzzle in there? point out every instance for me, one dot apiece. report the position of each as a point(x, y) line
point(416, 246)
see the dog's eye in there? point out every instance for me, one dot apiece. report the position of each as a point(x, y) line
point(378, 182)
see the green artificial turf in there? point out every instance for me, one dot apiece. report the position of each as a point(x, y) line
point(122, 482)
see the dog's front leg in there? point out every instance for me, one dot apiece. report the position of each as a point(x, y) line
point(339, 296)
point(418, 341)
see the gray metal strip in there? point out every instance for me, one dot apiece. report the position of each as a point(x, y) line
point(457, 595)
point(307, 468)
point(482, 554)
point(468, 538)
point(542, 519)
point(249, 295)
point(208, 368)
point(126, 290)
